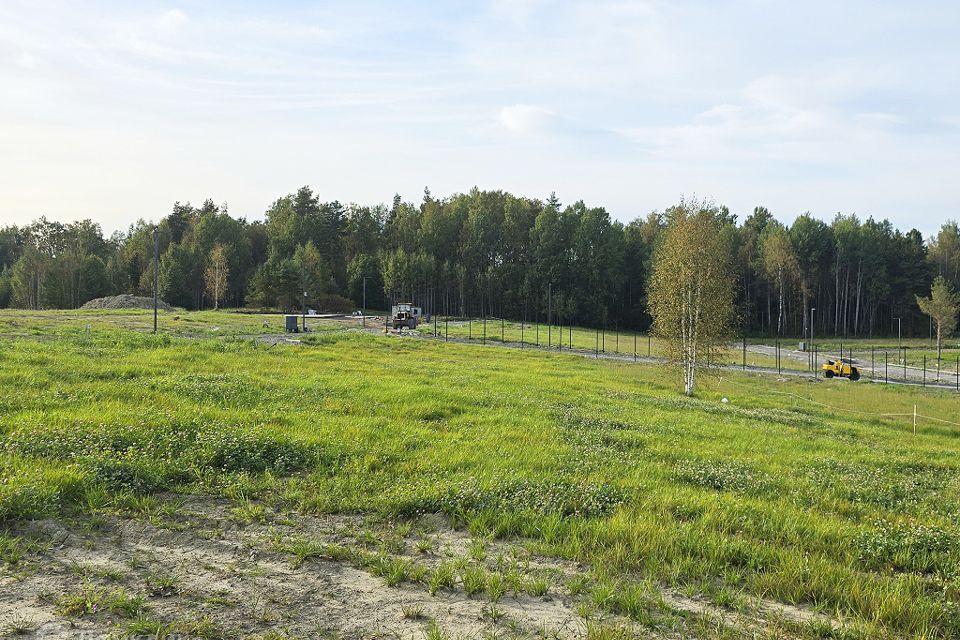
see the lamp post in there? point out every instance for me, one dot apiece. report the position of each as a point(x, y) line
point(812, 310)
point(363, 310)
point(898, 338)
point(156, 274)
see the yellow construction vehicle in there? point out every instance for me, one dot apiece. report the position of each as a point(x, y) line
point(842, 368)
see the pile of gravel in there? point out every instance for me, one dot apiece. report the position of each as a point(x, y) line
point(125, 301)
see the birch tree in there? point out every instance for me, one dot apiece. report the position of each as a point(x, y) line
point(779, 264)
point(692, 288)
point(217, 274)
point(942, 306)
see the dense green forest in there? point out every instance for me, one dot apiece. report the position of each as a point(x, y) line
point(483, 252)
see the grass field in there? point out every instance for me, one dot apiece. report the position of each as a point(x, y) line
point(792, 510)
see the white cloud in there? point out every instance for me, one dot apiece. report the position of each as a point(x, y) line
point(527, 118)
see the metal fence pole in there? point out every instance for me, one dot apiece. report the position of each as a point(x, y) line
point(501, 328)
point(924, 369)
point(744, 353)
point(886, 371)
point(470, 328)
point(522, 322)
point(596, 346)
point(570, 335)
point(446, 328)
point(873, 373)
point(635, 349)
point(484, 328)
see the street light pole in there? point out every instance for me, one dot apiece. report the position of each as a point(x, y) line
point(812, 310)
point(156, 274)
point(898, 338)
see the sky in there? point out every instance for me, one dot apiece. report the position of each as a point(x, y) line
point(114, 110)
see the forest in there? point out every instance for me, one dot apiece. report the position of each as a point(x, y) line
point(481, 253)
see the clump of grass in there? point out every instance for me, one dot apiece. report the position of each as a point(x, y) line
point(19, 625)
point(392, 569)
point(162, 585)
point(536, 586)
point(303, 549)
point(249, 512)
point(92, 600)
point(474, 580)
point(412, 612)
point(444, 576)
point(496, 587)
point(433, 632)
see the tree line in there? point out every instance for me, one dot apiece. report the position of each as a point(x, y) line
point(483, 252)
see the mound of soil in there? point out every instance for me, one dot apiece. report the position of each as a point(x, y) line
point(125, 301)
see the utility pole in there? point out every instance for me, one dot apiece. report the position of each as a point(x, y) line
point(156, 274)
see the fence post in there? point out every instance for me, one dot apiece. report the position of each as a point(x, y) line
point(522, 322)
point(470, 328)
point(570, 335)
point(501, 326)
point(924, 369)
point(603, 339)
point(635, 351)
point(886, 371)
point(484, 328)
point(873, 373)
point(596, 346)
point(446, 327)
point(616, 345)
point(648, 343)
point(744, 353)
point(958, 373)
point(914, 419)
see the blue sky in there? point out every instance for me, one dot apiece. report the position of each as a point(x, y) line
point(114, 110)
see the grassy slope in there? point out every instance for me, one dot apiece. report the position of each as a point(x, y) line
point(602, 462)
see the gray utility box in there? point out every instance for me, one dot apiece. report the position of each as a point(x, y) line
point(291, 324)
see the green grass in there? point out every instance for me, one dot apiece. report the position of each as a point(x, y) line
point(793, 491)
